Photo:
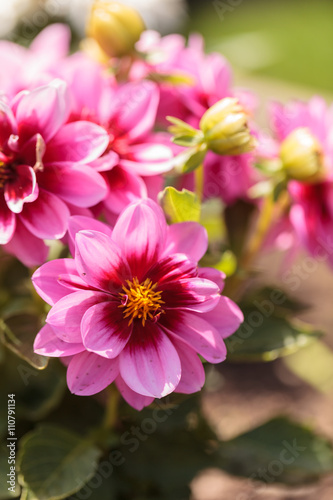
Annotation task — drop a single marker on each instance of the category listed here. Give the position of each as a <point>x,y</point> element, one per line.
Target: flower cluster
<point>87,137</point>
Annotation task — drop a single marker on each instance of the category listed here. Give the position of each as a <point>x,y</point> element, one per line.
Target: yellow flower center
<point>140,300</point>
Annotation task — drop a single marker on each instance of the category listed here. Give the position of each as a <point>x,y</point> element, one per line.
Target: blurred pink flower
<point>135,156</point>
<point>27,68</point>
<point>44,169</point>
<point>134,308</point>
<point>206,80</point>
<point>311,212</point>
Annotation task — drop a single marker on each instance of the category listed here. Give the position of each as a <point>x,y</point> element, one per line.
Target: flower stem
<point>111,412</point>
<point>199,181</point>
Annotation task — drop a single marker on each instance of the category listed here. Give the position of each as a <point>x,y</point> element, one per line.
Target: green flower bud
<point>225,128</point>
<point>115,27</point>
<point>301,155</point>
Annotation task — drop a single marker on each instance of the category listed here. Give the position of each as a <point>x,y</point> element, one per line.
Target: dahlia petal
<point>46,279</point>
<point>53,42</point>
<point>104,330</point>
<point>79,185</point>
<point>193,373</point>
<point>89,373</point>
<point>172,268</point>
<point>80,223</point>
<point>23,189</point>
<point>7,121</point>
<point>106,162</point>
<point>209,273</point>
<point>100,261</point>
<point>133,398</point>
<point>125,188</point>
<point>80,141</point>
<point>199,334</point>
<point>138,104</point>
<point>195,294</point>
<point>149,159</point>
<point>226,317</point>
<point>46,217</point>
<point>48,344</point>
<point>187,237</point>
<point>140,232</point>
<point>43,110</point>
<point>66,315</point>
<point>7,222</point>
<point>149,364</point>
<point>29,249</point>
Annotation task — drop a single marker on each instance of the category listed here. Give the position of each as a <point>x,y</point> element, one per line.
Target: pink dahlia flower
<point>27,68</point>
<point>207,79</point>
<point>311,212</point>
<point>44,169</point>
<point>136,155</point>
<point>133,307</point>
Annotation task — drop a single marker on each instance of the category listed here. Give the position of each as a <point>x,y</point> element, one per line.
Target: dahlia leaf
<point>55,463</point>
<point>278,451</point>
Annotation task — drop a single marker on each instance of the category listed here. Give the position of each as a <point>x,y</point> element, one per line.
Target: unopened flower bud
<point>301,155</point>
<point>226,129</point>
<point>115,27</point>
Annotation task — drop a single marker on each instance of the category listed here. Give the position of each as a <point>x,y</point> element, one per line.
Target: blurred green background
<point>286,40</point>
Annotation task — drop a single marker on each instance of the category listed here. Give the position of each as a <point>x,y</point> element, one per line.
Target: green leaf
<point>55,463</point>
<point>18,333</point>
<point>180,127</point>
<point>180,206</point>
<point>186,140</point>
<point>194,160</point>
<point>278,451</point>
<point>265,337</point>
<point>5,493</point>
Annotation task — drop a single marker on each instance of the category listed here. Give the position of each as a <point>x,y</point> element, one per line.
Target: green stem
<point>112,404</point>
<point>270,211</point>
<point>199,181</point>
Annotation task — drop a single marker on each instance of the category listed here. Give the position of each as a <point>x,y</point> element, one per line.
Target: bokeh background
<point>281,50</point>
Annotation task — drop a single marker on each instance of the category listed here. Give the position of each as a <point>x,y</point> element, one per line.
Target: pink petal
<point>23,189</point>
<point>52,42</point>
<point>193,373</point>
<point>172,269</point>
<point>125,188</point>
<point>149,159</point>
<point>46,279</point>
<point>209,273</point>
<point>29,249</point>
<point>100,261</point>
<point>199,334</point>
<point>48,344</point>
<point>66,315</point>
<point>79,223</point>
<point>106,162</point>
<point>150,364</point>
<point>104,330</point>
<point>7,222</point>
<point>137,105</point>
<point>187,237</point>
<point>47,217</point>
<point>226,317</point>
<point>89,373</point>
<point>194,294</point>
<point>80,141</point>
<point>132,398</point>
<point>7,121</point>
<point>140,232</point>
<point>43,111</point>
<point>79,185</point>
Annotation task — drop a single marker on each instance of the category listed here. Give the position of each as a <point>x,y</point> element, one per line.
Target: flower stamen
<point>140,300</point>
